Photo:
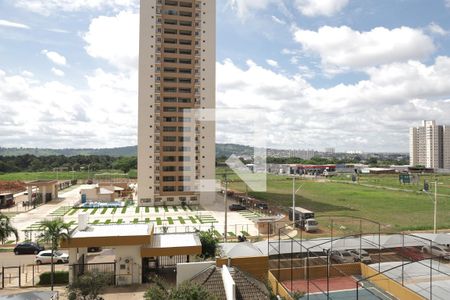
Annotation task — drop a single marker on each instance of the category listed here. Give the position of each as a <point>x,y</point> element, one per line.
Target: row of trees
<point>32,163</point>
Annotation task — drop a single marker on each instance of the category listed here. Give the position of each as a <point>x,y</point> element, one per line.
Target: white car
<point>45,257</point>
<point>361,255</point>
<point>342,256</point>
<point>437,250</point>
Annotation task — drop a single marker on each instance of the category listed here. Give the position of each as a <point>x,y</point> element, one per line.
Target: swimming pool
<point>103,204</point>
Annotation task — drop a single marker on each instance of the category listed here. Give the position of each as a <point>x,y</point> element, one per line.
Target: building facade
<point>176,130</point>
<point>429,145</point>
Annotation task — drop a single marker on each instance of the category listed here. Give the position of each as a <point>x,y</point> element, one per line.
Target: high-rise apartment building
<point>176,142</point>
<point>429,145</point>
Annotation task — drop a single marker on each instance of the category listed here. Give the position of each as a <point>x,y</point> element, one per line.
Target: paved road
<point>9,259</point>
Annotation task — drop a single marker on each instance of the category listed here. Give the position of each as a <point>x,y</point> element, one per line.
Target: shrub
<point>60,277</point>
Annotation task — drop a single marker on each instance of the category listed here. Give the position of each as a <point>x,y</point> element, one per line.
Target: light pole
<point>294,191</point>
<point>435,206</point>
<point>226,207</point>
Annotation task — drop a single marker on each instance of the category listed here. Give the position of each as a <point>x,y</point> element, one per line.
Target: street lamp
<point>435,206</point>
<point>225,200</point>
<point>294,191</point>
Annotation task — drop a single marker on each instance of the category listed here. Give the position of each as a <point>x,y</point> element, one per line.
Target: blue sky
<point>349,74</point>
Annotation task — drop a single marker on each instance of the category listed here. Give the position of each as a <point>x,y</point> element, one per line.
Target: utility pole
<point>435,207</point>
<point>226,207</point>
<point>293,201</point>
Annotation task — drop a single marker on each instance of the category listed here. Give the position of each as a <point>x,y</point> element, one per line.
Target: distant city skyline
<point>341,74</point>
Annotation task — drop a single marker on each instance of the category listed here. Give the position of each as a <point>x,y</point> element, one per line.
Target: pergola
<point>43,187</point>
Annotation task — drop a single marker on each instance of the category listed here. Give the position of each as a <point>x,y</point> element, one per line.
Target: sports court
<point>340,288</point>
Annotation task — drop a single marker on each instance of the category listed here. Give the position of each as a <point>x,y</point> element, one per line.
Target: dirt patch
<point>12,186</point>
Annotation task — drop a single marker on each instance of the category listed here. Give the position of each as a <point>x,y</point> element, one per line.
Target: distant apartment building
<point>176,147</point>
<point>303,154</point>
<point>429,145</point>
<point>330,150</point>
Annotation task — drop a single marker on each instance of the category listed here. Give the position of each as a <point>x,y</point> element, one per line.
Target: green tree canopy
<point>6,229</point>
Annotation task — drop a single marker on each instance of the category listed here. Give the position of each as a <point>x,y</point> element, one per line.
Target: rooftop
<point>113,231</point>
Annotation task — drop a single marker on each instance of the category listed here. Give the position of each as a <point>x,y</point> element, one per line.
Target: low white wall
<point>186,271</point>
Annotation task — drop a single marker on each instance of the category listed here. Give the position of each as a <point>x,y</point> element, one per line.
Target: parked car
<point>94,249</point>
<point>342,256</point>
<point>235,207</point>
<point>262,206</point>
<point>437,250</point>
<point>45,257</point>
<point>361,255</point>
<point>27,248</point>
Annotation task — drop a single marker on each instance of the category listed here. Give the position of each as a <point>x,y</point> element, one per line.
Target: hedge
<point>60,277</point>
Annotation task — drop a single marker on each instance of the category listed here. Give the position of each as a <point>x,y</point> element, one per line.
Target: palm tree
<point>6,229</point>
<point>53,232</point>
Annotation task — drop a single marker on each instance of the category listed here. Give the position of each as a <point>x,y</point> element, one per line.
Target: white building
<point>176,130</point>
<point>429,145</point>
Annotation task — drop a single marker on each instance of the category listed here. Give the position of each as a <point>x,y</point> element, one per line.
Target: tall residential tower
<point>429,145</point>
<point>176,142</point>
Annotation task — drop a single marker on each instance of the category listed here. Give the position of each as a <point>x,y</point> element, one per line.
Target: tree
<point>53,232</point>
<point>186,291</point>
<point>88,286</point>
<point>6,229</point>
<point>209,243</point>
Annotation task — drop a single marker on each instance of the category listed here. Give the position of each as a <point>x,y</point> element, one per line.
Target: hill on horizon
<point>221,150</point>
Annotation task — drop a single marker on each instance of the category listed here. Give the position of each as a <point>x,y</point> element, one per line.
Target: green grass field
<point>392,181</point>
<point>395,210</point>
<point>66,175</point>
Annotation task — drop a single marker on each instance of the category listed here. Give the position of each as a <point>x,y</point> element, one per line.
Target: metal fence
<point>104,268</point>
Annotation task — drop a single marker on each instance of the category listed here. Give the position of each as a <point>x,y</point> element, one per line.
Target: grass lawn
<point>156,209</point>
<point>395,210</point>
<point>175,208</point>
<point>147,209</point>
<point>158,221</point>
<point>29,176</point>
<point>124,210</point>
<point>120,221</point>
<point>184,207</point>
<point>94,211</point>
<point>96,222</point>
<point>392,181</point>
<point>85,209</point>
<point>107,222</point>
<point>104,211</point>
<point>193,220</point>
<point>170,220</point>
<point>137,209</point>
<point>166,209</point>
<point>135,221</point>
<point>231,234</point>
<point>73,211</point>
<point>147,220</point>
<point>114,210</point>
<point>182,221</point>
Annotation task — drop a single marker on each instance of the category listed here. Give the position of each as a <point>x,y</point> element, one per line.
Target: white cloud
<point>435,28</point>
<point>279,21</point>
<point>342,48</point>
<point>55,57</point>
<point>378,111</point>
<point>58,72</point>
<point>6,23</point>
<point>246,7</point>
<point>272,63</point>
<point>313,8</point>
<point>115,39</point>
<point>47,7</point>
<point>102,115</point>
<point>447,3</point>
